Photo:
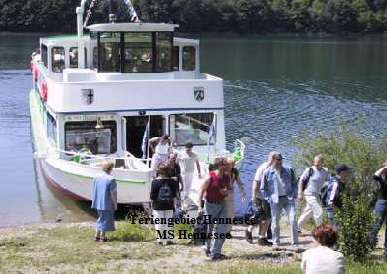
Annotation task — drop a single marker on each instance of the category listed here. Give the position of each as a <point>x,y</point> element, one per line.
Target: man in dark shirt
<point>174,169</point>
<point>164,192</point>
<point>335,189</point>
<point>380,206</point>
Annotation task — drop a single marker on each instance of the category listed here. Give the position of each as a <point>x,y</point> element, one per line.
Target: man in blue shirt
<point>279,188</point>
<point>104,201</point>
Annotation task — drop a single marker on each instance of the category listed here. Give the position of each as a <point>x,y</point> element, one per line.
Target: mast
<point>80,11</point>
<point>81,45</point>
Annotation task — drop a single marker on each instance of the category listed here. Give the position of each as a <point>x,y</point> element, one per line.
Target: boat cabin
<point>123,48</point>
<point>125,83</point>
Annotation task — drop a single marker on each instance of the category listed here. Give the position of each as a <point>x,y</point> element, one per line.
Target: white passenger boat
<point>102,96</point>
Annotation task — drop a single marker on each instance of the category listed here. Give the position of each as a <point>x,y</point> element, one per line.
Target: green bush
<point>132,232</point>
<point>355,220</point>
<point>364,155</point>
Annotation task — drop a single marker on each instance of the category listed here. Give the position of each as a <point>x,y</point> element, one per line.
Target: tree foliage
<point>208,15</point>
<point>364,155</point>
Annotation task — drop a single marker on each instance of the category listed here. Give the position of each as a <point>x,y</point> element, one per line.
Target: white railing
<point>128,161</point>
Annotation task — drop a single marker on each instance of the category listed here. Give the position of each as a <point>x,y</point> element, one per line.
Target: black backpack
<point>324,192</point>
<point>165,194</point>
<point>306,180</point>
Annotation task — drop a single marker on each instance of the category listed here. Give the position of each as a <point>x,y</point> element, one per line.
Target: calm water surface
<point>274,88</point>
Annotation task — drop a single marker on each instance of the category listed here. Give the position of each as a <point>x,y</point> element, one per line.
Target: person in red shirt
<point>215,188</point>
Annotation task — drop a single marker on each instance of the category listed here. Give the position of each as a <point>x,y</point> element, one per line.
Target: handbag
<point>255,210</point>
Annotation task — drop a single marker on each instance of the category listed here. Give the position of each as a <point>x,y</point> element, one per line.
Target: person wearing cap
<point>279,188</point>
<point>311,181</point>
<point>335,189</point>
<point>161,147</point>
<point>187,161</point>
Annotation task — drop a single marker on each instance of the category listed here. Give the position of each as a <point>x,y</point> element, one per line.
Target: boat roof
<point>52,40</point>
<point>185,40</point>
<point>62,38</point>
<point>134,27</point>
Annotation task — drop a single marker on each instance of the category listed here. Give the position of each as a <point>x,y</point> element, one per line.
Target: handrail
<point>92,157</point>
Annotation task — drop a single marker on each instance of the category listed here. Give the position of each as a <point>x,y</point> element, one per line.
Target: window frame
<point>154,69</point>
<point>172,129</point>
<point>111,124</point>
<point>184,61</point>
<point>51,132</point>
<point>63,60</point>
<point>44,55</point>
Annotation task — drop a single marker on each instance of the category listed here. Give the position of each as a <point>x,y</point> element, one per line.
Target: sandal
<point>97,239</point>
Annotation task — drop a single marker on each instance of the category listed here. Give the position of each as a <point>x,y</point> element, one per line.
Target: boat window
<point>192,127</point>
<point>95,57</point>
<point>58,59</point>
<point>188,58</point>
<point>84,135</point>
<point>175,58</point>
<point>110,51</point>
<point>44,55</point>
<point>85,57</point>
<point>51,127</point>
<point>73,57</point>
<point>138,52</point>
<point>164,51</point>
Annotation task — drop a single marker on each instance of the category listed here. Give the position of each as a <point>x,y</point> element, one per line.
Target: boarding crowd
<point>275,190</point>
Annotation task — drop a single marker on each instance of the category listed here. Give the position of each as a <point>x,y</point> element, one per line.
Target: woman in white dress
<point>161,147</point>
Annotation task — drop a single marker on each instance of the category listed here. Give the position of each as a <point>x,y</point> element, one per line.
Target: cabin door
<point>138,132</point>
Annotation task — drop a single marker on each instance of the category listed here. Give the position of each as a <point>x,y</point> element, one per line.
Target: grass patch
<point>64,249</point>
<point>58,247</point>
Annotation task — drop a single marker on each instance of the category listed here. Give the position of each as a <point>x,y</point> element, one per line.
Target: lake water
<point>274,88</point>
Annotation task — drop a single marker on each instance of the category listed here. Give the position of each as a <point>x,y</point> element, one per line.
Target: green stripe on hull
<point>36,118</point>
<point>118,180</point>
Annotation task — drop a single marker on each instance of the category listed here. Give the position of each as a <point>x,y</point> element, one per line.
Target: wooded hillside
<point>253,16</point>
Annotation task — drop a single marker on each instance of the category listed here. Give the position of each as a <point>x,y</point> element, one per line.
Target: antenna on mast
<point>112,11</point>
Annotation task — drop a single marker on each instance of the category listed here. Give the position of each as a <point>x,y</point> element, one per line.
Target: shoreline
<point>69,247</point>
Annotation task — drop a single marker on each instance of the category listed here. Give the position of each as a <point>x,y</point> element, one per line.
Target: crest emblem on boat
<point>199,93</point>
<point>88,96</point>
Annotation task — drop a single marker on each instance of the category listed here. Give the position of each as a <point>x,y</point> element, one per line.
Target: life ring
<point>44,92</point>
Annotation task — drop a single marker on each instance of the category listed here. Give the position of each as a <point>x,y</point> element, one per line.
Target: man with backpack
<point>279,188</point>
<point>164,192</point>
<point>332,197</point>
<point>311,181</point>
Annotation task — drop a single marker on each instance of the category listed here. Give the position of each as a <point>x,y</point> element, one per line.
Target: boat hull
<point>75,179</point>
<point>78,183</point>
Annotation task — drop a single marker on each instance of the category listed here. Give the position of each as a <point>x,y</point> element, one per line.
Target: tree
<point>363,155</point>
<point>300,15</point>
